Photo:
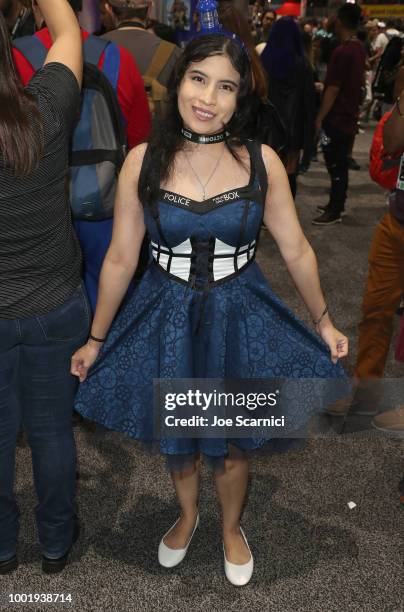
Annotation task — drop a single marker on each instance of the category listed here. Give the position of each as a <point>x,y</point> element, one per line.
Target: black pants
<point>336,150</point>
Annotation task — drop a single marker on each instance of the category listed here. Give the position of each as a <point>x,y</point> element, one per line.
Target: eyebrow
<point>195,71</point>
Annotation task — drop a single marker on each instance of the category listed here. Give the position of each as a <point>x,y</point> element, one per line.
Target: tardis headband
<point>210,23</point>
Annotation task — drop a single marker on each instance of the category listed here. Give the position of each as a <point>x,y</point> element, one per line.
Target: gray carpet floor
<point>312,553</point>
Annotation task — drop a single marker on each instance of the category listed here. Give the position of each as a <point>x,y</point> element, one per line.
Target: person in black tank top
<point>203,309</point>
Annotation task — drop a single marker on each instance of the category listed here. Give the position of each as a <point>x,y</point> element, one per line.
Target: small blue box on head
<point>210,23</point>
<point>208,17</point>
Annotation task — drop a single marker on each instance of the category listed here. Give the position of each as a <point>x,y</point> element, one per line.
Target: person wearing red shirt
<point>95,236</point>
<point>131,92</point>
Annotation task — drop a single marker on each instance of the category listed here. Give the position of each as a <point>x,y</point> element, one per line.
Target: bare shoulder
<point>134,160</point>
<point>136,155</point>
<point>272,162</point>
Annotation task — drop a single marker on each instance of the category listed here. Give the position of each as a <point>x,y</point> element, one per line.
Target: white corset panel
<point>179,266</point>
<point>177,260</point>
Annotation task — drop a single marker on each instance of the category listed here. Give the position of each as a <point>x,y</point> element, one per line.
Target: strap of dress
<point>153,205</point>
<point>258,166</point>
<point>146,158</point>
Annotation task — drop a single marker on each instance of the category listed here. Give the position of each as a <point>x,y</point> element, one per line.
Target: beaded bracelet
<point>316,322</point>
<point>91,337</point>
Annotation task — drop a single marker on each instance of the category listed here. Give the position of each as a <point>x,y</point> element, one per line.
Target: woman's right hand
<point>83,359</point>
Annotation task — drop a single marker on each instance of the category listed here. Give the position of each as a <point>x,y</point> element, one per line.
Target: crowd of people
<point>115,282</point>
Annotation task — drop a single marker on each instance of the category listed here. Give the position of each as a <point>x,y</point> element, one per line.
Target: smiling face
<point>207,95</point>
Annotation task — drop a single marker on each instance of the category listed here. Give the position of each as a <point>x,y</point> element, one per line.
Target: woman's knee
<point>236,459</point>
<point>188,470</point>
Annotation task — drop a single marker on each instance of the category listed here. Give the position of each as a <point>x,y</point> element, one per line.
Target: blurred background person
<point>310,48</point>
<point>339,112</point>
<point>291,90</point>
<point>153,56</point>
<point>267,21</point>
<point>256,11</point>
<point>388,70</point>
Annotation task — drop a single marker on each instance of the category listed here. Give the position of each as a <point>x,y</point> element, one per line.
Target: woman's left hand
<point>335,340</point>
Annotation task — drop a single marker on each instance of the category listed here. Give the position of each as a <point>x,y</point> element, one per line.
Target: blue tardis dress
<point>203,309</point>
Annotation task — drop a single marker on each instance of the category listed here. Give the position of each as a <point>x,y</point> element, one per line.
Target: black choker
<point>204,138</point>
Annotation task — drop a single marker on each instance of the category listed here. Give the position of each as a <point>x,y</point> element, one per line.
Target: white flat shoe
<point>239,575</point>
<point>170,557</point>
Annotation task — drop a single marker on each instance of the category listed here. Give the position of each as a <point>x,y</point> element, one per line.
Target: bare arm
<point>376,56</point>
<point>281,219</point>
<point>65,31</point>
<point>120,261</point>
<point>393,130</point>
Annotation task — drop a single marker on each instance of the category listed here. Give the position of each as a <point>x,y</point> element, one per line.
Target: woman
<point>43,310</point>
<point>203,308</point>
<point>291,91</point>
<point>389,77</point>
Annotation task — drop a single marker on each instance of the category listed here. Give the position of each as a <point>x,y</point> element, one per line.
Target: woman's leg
<point>231,486</point>
<point>186,484</point>
<point>47,392</point>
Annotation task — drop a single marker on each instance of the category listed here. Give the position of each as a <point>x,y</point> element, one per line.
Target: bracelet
<point>397,105</point>
<point>91,337</point>
<point>316,322</point>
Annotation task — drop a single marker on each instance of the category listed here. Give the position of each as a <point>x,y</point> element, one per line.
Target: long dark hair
<point>166,139</point>
<point>21,141</point>
<point>284,46</point>
<point>233,20</point>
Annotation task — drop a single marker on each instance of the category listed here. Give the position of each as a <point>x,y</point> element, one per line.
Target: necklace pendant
<point>204,196</point>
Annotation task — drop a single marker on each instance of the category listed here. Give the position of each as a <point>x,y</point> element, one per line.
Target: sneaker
<point>391,422</point>
<point>353,164</point>
<point>327,218</point>
<point>322,209</point>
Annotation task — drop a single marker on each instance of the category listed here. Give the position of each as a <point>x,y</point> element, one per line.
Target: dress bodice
<point>224,217</point>
<point>210,240</point>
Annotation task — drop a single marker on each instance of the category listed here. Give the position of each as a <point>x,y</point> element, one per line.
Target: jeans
<point>37,391</point>
<point>336,153</point>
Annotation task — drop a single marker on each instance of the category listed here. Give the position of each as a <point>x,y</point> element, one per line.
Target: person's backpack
<point>383,167</point>
<point>156,92</point>
<point>98,146</point>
